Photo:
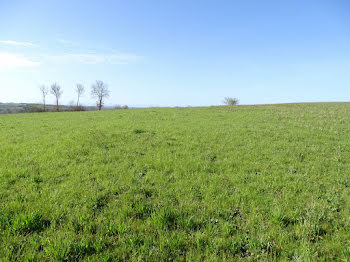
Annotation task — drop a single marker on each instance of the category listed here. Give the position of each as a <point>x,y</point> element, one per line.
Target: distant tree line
<point>99,91</point>
<point>12,108</point>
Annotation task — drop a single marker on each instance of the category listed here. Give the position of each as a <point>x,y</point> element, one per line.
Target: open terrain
<point>267,182</point>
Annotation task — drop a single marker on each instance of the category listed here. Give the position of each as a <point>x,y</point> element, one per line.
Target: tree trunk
<point>100,105</point>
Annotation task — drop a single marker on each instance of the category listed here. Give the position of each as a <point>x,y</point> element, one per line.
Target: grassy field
<point>265,182</point>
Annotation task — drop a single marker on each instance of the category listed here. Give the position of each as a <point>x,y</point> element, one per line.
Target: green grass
<point>220,183</point>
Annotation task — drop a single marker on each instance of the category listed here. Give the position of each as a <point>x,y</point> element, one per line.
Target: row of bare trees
<point>99,91</point>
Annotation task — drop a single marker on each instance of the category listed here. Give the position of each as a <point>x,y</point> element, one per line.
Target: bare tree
<point>100,91</point>
<point>57,92</point>
<point>230,101</point>
<point>44,91</point>
<point>80,89</point>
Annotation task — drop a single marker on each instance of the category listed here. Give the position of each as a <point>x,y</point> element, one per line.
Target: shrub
<point>32,108</point>
<point>118,107</point>
<point>80,108</point>
<point>230,101</point>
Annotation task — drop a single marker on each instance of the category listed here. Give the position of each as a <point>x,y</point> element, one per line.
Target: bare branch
<point>230,101</point>
<point>44,91</point>
<point>57,92</point>
<point>80,89</point>
<point>100,91</point>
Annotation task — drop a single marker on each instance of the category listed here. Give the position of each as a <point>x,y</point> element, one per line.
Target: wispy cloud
<point>85,58</point>
<point>17,43</point>
<point>67,42</point>
<point>14,61</point>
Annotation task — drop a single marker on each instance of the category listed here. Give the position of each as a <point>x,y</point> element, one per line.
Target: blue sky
<point>177,53</point>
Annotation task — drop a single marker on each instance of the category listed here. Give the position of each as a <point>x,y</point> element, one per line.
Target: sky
<point>177,52</point>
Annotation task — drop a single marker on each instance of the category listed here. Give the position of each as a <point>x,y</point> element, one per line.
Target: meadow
<point>268,182</point>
